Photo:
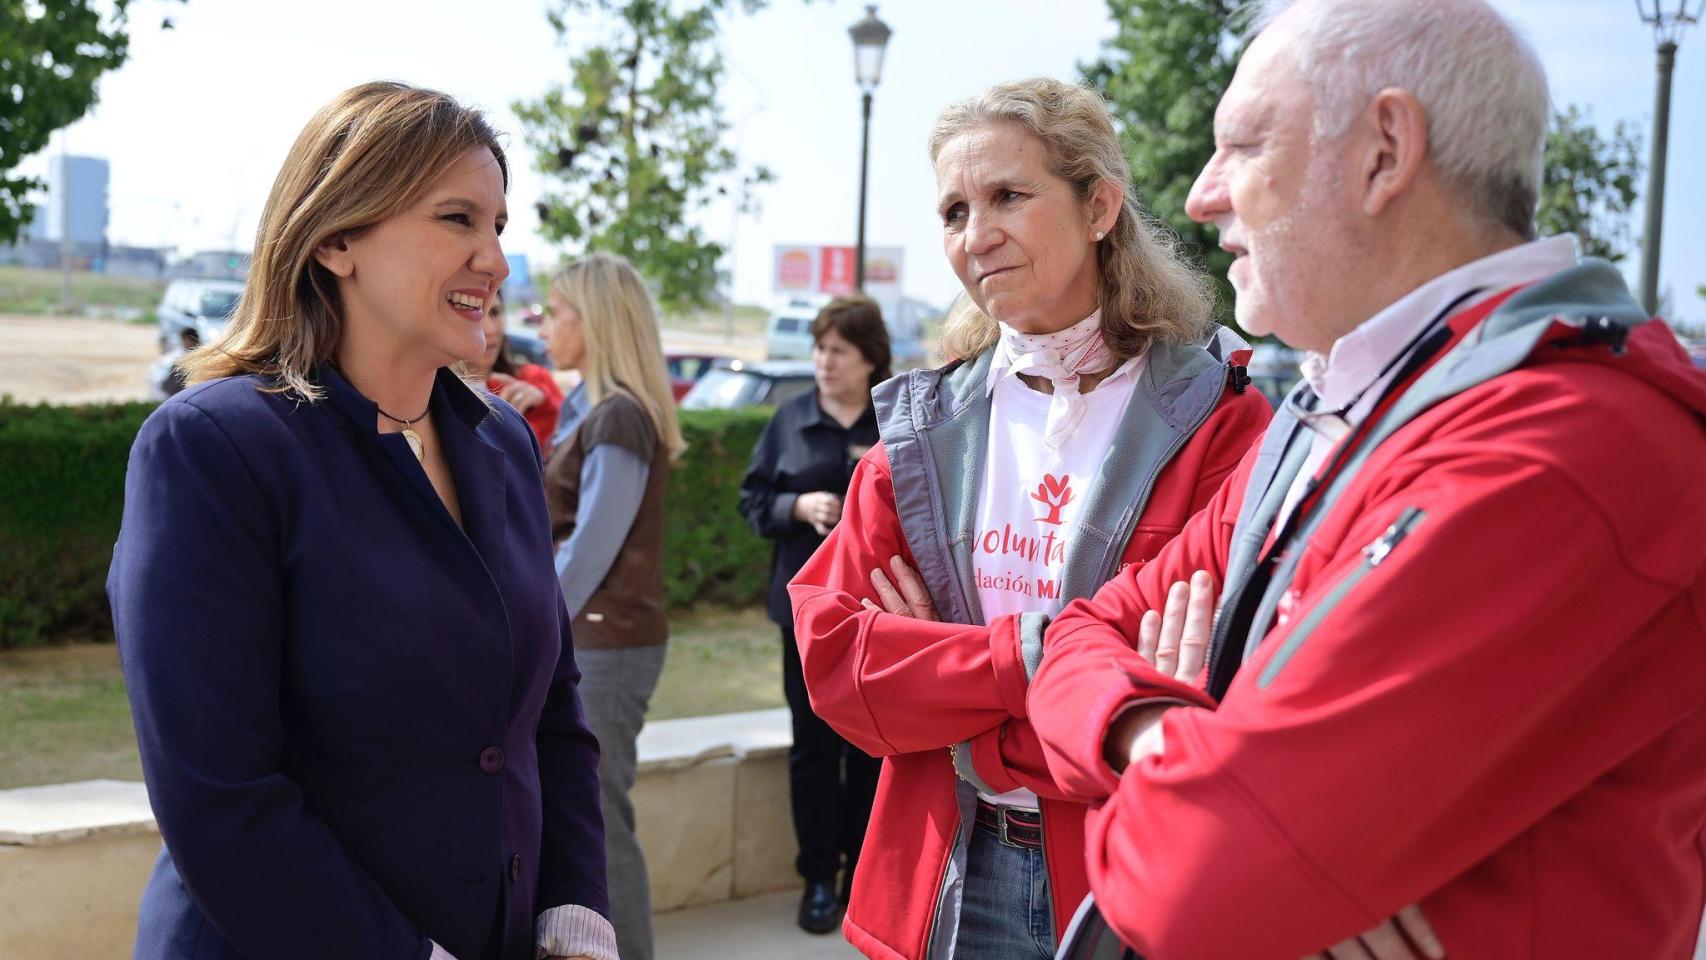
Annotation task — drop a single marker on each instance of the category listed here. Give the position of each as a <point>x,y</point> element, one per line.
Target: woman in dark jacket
<point>341,630</point>
<point>792,494</point>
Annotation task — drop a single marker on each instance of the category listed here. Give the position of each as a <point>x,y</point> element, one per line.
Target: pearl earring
<point>1098,234</point>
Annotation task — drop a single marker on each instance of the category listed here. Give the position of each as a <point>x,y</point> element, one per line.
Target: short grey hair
<point>1480,82</point>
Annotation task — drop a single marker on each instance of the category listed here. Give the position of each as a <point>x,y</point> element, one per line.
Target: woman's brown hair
<point>366,156</point>
<point>859,321</point>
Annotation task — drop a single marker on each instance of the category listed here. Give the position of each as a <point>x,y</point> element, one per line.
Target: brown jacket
<point>627,608</point>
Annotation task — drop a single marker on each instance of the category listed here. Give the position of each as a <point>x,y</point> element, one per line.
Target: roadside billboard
<point>803,269</point>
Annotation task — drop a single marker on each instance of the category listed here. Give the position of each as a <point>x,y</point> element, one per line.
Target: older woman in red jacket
<point>1084,422</point>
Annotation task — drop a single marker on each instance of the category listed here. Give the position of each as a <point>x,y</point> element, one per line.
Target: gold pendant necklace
<point>415,445</point>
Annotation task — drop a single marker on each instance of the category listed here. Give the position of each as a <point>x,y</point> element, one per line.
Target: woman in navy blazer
<point>334,591</point>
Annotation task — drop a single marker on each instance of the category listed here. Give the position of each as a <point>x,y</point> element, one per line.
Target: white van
<point>788,332</point>
<point>193,312</point>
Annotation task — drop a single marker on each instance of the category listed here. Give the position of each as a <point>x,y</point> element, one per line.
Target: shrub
<point>62,493</point>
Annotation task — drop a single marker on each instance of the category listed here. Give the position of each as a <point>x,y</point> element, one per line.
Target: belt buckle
<point>1001,825</point>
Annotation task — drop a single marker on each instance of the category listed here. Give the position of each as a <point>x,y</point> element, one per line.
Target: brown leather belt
<point>1015,827</point>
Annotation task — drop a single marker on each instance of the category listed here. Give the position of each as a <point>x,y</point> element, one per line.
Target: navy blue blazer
<point>358,722</point>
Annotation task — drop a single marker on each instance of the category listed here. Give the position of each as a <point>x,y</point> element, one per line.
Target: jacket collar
<point>459,398</point>
<point>476,463</point>
<point>934,426</point>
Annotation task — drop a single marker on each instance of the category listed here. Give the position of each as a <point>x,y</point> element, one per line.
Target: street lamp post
<point>870,37</point>
<point>1667,18</point>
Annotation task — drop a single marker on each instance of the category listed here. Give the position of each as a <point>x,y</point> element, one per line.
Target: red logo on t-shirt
<point>1054,492</point>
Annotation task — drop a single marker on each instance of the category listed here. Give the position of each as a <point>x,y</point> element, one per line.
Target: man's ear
<point>334,254</point>
<point>1395,147</point>
<point>1106,201</point>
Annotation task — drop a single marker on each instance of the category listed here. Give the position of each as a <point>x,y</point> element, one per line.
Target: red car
<point>685,369</point>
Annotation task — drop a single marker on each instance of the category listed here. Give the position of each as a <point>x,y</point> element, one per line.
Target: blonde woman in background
<point>605,484</point>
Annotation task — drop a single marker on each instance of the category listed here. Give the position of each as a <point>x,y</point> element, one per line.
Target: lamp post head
<point>1668,18</point>
<point>870,36</point>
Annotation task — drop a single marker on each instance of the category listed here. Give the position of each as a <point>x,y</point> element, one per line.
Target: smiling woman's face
<point>420,280</point>
<point>1016,236</point>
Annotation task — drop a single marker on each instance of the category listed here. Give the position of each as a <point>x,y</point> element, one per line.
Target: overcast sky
<point>196,124</point>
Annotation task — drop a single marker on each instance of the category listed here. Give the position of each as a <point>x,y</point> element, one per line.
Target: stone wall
<point>711,799</point>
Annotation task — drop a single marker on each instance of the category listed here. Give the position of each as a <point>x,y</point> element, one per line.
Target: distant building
<point>142,262</point>
<point>213,265</point>
<point>76,203</point>
<point>46,254</point>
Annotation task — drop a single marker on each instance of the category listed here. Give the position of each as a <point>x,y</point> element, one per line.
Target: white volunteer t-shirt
<point>1033,497</point>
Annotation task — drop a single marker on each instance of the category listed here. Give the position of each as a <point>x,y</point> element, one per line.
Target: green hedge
<point>710,555</point>
<point>62,492</point>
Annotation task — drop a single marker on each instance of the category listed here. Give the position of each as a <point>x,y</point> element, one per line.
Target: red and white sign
<point>833,270</point>
<point>837,270</point>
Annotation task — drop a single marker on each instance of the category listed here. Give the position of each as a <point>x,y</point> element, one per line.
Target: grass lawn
<point>64,715</point>
<point>26,290</point>
<point>746,321</point>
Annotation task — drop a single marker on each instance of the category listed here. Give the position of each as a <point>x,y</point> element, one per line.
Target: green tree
<point>1163,73</point>
<point>52,52</point>
<point>632,144</point>
<point>1589,183</point>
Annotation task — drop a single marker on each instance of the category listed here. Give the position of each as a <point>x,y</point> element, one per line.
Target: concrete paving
<point>757,928</point>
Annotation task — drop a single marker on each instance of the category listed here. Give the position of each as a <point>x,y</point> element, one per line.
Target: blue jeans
<point>1006,913</point>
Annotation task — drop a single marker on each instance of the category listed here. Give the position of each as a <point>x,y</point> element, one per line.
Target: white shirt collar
<point>1356,359</point>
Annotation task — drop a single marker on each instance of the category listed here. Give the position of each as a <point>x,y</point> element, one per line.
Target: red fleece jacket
<point>1504,720</point>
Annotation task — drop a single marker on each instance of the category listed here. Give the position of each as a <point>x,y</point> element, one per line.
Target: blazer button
<point>491,759</point>
<point>515,869</point>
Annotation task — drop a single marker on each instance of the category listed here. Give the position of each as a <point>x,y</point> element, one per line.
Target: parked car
<point>905,354</point>
<point>788,335</point>
<point>193,312</point>
<point>527,345</point>
<point>731,384</point>
<point>1275,369</point>
<point>788,332</point>
<point>685,369</point>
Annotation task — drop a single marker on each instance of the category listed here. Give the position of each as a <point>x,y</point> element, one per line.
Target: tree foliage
<point>633,146</point>
<point>1163,73</point>
<point>52,52</point>
<point>1590,183</point>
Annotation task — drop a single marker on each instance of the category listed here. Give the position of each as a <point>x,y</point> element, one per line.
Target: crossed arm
<point>1175,640</point>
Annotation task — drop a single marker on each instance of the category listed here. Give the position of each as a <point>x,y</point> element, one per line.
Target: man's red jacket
<point>1486,691</point>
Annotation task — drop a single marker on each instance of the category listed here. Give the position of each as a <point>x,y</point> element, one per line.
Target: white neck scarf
<point>1060,357</point>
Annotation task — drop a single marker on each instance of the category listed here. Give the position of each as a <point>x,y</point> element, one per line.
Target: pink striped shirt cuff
<point>567,931</point>
<point>572,930</point>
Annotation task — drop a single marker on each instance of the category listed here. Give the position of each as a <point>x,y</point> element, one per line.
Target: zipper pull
<point>1375,552</point>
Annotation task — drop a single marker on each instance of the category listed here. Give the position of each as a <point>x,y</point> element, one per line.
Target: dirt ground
<point>72,360</point>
